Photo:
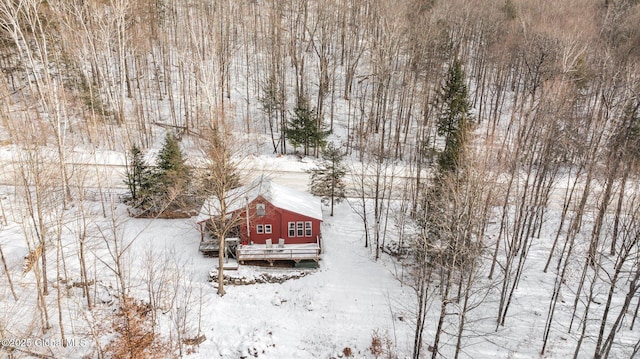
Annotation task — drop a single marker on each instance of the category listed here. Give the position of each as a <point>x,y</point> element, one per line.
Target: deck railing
<point>251,253</point>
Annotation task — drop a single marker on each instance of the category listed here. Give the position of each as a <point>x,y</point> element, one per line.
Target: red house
<point>265,213</point>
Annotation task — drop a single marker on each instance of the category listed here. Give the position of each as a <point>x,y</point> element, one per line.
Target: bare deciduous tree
<point>221,175</point>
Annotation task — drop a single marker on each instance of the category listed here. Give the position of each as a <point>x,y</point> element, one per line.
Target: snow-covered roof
<point>280,196</point>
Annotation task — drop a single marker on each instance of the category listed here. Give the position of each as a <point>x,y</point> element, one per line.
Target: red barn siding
<point>295,217</point>
<point>279,220</point>
<point>271,217</point>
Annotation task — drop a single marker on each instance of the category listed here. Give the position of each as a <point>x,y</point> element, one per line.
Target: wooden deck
<point>287,252</point>
<point>211,247</point>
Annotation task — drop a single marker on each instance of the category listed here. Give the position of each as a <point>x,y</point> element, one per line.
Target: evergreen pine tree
<point>172,176</point>
<point>304,129</point>
<point>327,180</point>
<point>454,119</point>
<point>138,179</point>
<point>442,198</point>
<point>448,242</point>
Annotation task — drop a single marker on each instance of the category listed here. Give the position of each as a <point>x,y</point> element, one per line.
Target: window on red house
<point>292,229</point>
<point>259,229</point>
<point>300,232</point>
<point>261,210</point>
<point>307,229</point>
<point>267,228</point>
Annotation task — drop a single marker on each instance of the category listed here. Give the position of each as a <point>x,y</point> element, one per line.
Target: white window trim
<point>308,229</point>
<point>300,229</point>
<point>260,229</point>
<point>292,229</point>
<point>268,229</point>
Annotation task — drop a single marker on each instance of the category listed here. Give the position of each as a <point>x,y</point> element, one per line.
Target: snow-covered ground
<point>342,304</point>
<point>338,306</point>
<point>331,310</point>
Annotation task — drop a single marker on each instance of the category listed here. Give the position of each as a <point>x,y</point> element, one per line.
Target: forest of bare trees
<point>552,153</point>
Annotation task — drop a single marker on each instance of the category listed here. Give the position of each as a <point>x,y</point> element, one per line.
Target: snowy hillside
<point>489,152</point>
<point>338,307</point>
